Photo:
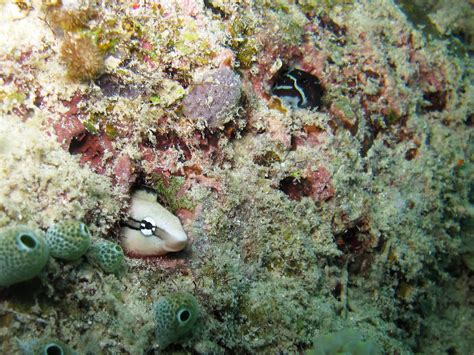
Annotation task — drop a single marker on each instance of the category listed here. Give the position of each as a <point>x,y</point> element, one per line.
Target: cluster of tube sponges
<point>175,317</point>
<point>24,251</point>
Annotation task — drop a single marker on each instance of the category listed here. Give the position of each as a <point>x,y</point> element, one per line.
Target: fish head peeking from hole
<point>150,229</point>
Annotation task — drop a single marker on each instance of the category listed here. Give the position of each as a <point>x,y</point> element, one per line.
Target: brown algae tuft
<point>82,57</point>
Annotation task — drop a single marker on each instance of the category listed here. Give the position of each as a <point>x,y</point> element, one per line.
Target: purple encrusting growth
<point>215,98</point>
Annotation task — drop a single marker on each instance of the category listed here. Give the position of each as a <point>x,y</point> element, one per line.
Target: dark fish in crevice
<point>298,89</point>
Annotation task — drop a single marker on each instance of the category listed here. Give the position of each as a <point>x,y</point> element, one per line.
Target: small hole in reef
<point>53,349</point>
<point>295,189</point>
<point>337,290</point>
<point>411,154</point>
<point>350,240</point>
<point>78,142</point>
<point>28,241</point>
<point>436,101</point>
<point>109,84</point>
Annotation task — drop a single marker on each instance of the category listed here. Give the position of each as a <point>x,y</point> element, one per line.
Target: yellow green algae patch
<point>41,183</point>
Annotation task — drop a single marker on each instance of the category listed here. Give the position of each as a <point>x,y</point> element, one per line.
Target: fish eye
<point>147,226</point>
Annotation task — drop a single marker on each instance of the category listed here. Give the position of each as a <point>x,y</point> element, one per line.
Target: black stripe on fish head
<point>297,88</point>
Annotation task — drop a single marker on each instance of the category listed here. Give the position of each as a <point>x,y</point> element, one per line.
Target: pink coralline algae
<point>92,149</point>
<point>321,185</point>
<point>70,125</point>
<point>214,99</point>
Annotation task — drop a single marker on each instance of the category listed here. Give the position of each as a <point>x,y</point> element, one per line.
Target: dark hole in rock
<point>24,292</point>
<point>267,158</point>
<point>180,76</point>
<point>38,101</point>
<point>437,101</point>
<point>404,325</point>
<point>295,189</point>
<point>336,291</point>
<point>462,36</point>
<point>215,9</point>
<point>111,85</point>
<point>209,141</point>
<point>77,142</point>
<point>232,130</point>
<point>411,154</point>
<point>328,24</point>
<point>354,239</point>
<point>171,140</point>
<point>470,120</point>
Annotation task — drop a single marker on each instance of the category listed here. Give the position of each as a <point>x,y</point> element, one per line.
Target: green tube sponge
<point>23,254</point>
<point>68,240</point>
<point>46,346</point>
<point>175,317</point>
<point>108,255</point>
